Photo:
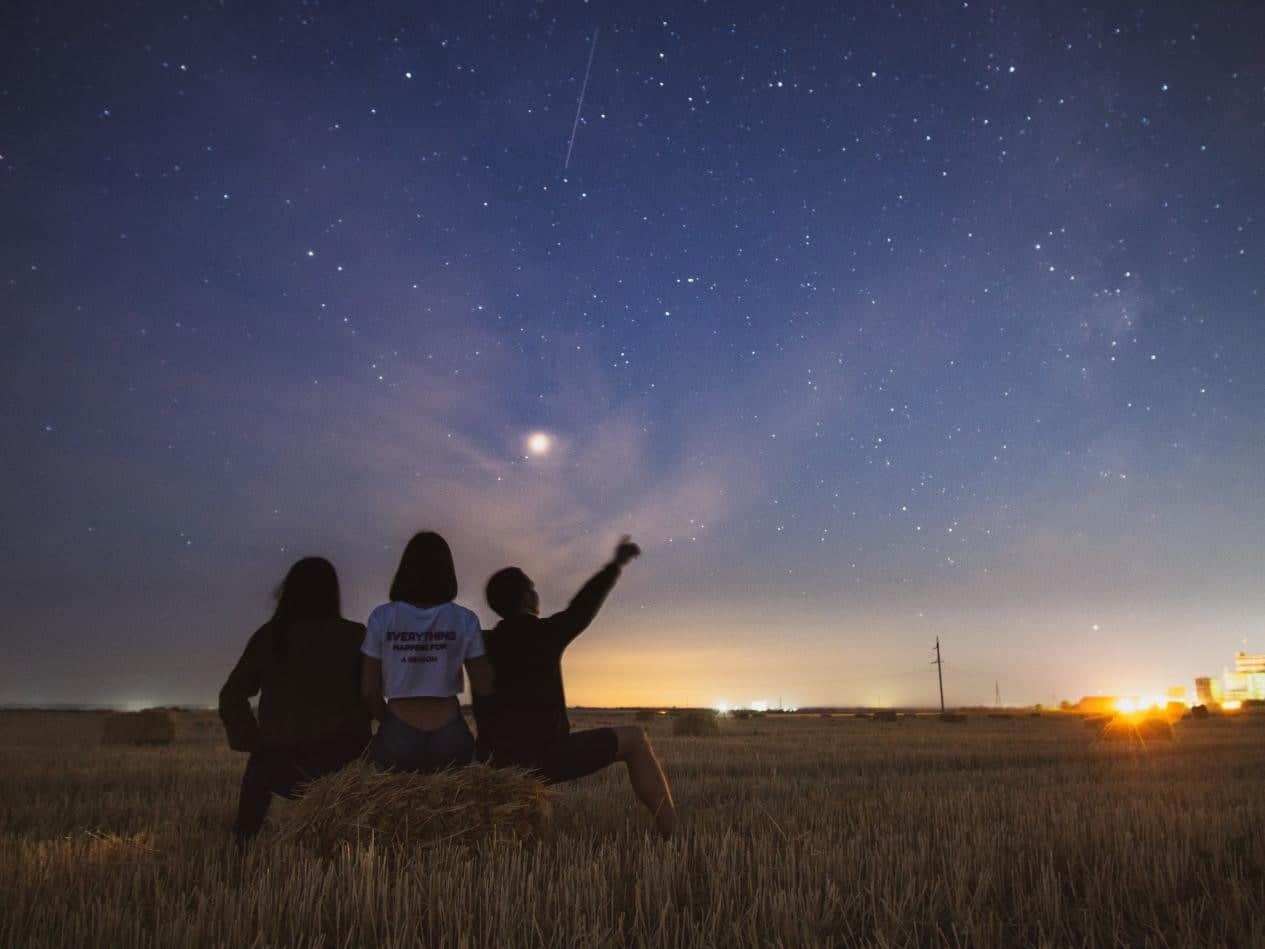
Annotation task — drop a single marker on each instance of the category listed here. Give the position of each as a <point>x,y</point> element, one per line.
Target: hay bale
<point>462,805</point>
<point>150,726</point>
<point>696,724</point>
<point>884,715</point>
<point>1199,711</point>
<point>1123,728</point>
<point>647,715</point>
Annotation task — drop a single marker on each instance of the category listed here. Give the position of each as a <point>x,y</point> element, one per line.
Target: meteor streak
<point>580,105</point>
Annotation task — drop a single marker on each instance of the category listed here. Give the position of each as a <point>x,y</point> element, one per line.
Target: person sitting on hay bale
<point>524,723</point>
<point>303,665</point>
<point>411,670</point>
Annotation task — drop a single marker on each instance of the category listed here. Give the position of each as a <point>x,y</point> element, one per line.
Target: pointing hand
<point>626,550</point>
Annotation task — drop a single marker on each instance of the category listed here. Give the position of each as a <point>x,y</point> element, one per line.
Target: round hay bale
<point>696,725</point>
<point>1123,728</point>
<point>149,726</point>
<point>1199,711</point>
<point>461,805</point>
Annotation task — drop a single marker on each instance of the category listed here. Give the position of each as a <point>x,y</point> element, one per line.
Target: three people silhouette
<point>322,678</point>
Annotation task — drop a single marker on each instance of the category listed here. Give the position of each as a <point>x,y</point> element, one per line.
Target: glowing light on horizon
<point>1231,705</point>
<point>1138,704</point>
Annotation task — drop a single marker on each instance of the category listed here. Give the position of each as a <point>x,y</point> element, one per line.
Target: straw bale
<point>151,726</point>
<point>696,724</point>
<point>462,805</point>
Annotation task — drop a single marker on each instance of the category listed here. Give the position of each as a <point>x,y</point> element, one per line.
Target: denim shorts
<point>401,747</point>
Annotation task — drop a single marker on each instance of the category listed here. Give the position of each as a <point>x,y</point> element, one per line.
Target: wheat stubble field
<point>796,831</point>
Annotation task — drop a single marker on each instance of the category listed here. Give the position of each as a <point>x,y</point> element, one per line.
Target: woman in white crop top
<point>414,652</point>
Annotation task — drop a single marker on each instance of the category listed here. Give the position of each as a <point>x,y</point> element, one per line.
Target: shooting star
<point>580,105</point>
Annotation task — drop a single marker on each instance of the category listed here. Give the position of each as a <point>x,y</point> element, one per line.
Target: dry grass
<point>363,805</point>
<point>813,831</point>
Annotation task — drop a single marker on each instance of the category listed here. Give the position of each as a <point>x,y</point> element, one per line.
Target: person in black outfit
<point>524,724</point>
<point>305,665</point>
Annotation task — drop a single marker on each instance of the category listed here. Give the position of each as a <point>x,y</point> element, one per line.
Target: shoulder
<point>381,614</point>
<point>464,615</point>
<point>351,627</point>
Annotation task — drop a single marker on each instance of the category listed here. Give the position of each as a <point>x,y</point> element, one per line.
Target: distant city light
<point>1231,705</point>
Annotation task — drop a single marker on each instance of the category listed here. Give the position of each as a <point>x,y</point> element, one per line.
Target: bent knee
<point>632,739</point>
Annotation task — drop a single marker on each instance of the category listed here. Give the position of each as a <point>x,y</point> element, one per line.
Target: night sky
<point>871,323</point>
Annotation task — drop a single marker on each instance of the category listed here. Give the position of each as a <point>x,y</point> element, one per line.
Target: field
<point>796,831</point>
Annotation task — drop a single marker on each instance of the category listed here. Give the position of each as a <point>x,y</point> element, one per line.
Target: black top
<point>308,675</point>
<point>526,718</point>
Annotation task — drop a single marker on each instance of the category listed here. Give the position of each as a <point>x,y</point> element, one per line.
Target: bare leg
<point>646,775</point>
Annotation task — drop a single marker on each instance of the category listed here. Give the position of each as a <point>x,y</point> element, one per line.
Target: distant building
<point>1247,663</point>
<point>1247,681</point>
<point>1207,691</point>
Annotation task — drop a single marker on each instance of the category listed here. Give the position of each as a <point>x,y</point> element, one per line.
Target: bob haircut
<point>426,575</point>
<point>308,592</point>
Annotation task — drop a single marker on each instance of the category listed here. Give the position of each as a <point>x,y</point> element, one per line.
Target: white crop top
<point>422,650</point>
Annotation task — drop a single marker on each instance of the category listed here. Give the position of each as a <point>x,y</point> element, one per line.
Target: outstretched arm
<point>243,683</point>
<point>582,609</point>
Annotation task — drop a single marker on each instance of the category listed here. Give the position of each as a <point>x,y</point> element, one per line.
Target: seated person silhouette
<point>525,724</point>
<point>304,664</point>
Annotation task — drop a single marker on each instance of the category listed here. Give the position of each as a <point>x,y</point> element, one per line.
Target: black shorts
<point>580,754</point>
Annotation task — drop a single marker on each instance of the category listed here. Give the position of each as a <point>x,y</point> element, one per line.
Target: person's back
<point>312,690</point>
<point>422,648</point>
<point>528,712</point>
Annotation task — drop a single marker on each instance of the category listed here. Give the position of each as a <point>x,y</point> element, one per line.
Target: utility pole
<point>940,673</point>
<point>996,693</point>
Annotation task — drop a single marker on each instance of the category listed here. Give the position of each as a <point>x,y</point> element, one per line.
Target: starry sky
<point>872,322</point>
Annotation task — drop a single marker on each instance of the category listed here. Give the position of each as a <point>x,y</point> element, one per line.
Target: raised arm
<point>244,683</point>
<point>575,619</point>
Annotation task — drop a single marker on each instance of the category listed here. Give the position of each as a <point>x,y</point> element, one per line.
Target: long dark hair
<point>309,591</point>
<point>426,575</point>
